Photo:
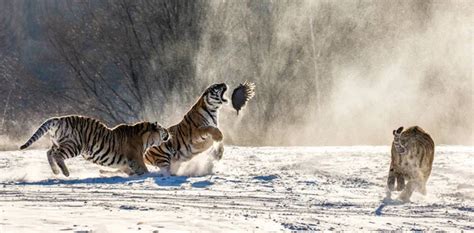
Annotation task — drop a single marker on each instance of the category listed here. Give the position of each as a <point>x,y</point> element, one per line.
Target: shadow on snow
<point>174,181</point>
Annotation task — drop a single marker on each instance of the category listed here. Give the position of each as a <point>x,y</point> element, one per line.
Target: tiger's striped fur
<point>121,147</point>
<point>195,134</point>
<point>412,160</point>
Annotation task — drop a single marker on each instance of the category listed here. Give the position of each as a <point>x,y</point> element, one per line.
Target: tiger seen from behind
<point>412,161</point>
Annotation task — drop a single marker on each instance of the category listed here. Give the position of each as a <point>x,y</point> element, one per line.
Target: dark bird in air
<point>242,94</point>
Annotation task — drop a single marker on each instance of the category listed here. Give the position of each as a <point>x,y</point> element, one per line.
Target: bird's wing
<point>249,90</point>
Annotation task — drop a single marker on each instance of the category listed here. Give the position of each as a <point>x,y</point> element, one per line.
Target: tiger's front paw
<point>217,135</point>
<point>218,151</point>
<point>404,197</point>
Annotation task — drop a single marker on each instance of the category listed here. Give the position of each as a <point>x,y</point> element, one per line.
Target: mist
<point>360,69</point>
<point>326,73</point>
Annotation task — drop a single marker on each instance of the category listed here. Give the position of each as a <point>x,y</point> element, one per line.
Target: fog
<point>365,69</point>
<point>326,72</point>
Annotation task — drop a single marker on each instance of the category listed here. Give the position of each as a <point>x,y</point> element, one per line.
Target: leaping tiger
<point>195,134</point>
<point>121,147</point>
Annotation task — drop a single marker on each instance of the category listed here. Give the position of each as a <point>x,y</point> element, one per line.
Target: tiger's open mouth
<point>224,89</point>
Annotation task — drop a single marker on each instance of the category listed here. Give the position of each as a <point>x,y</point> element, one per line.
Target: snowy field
<point>250,189</point>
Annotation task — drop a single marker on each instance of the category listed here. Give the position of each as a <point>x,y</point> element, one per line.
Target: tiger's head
<point>214,97</point>
<point>155,135</point>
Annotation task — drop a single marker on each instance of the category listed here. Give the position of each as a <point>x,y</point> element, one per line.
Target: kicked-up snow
<point>251,189</point>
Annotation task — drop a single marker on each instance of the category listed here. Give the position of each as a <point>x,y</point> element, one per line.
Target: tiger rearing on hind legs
<point>196,133</point>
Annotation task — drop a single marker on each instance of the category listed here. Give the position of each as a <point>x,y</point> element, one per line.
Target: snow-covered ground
<point>250,189</point>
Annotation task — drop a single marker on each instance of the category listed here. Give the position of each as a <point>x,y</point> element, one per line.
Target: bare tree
<point>126,56</point>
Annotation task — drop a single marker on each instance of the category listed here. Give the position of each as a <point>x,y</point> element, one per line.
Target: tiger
<point>197,132</point>
<point>412,159</point>
<point>121,147</point>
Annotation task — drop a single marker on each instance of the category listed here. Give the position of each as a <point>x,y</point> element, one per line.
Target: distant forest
<point>326,72</point>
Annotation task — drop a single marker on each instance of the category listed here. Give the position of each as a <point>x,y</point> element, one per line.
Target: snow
<point>250,189</point>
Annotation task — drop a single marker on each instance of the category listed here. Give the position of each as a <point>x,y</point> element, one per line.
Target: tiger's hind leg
<point>422,188</point>
<point>64,151</point>
<point>165,167</point>
<point>58,157</point>
<point>166,171</point>
<point>423,178</point>
<point>52,161</point>
<point>157,157</point>
<point>136,168</point>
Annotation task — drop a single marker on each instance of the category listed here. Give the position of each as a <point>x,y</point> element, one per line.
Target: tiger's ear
<point>398,131</point>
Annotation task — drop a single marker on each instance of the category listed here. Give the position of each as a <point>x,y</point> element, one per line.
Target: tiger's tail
<point>39,132</point>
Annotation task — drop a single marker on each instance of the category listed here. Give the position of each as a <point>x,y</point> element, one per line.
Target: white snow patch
<point>250,189</point>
